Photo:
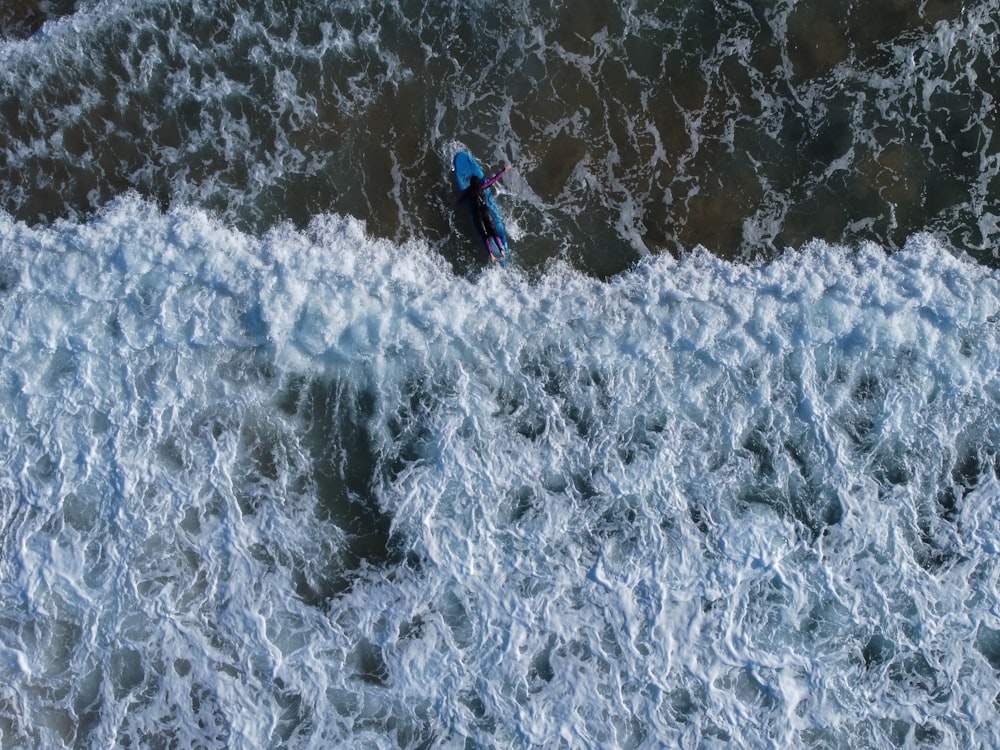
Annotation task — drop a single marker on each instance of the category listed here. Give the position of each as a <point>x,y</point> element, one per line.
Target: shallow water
<point>635,129</point>
<point>284,464</point>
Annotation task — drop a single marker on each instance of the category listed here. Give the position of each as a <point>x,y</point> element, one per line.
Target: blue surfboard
<point>466,167</point>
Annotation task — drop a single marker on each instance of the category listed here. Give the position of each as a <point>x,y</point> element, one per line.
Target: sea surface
<point>286,463</point>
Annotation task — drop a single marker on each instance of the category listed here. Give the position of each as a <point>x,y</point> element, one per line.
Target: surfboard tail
<point>495,247</point>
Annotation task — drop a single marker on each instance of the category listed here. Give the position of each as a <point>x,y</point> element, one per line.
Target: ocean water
<point>713,463</point>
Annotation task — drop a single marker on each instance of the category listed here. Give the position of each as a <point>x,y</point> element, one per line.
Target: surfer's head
<point>476,184</point>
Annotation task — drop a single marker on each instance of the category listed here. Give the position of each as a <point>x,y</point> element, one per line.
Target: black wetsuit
<point>485,225</point>
<point>484,217</point>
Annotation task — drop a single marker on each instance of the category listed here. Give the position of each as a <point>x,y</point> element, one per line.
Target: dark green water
<point>634,128</point>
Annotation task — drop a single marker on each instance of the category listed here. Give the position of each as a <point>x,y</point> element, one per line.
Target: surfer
<point>476,194</point>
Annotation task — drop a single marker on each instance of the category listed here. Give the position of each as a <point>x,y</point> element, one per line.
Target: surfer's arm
<point>496,177</point>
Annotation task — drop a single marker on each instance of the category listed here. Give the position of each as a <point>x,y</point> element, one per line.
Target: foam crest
<point>311,487</point>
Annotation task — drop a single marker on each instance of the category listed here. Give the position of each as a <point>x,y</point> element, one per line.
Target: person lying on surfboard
<point>476,193</point>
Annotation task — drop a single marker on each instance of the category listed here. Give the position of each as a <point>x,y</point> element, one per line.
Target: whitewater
<point>712,464</point>
<point>312,489</point>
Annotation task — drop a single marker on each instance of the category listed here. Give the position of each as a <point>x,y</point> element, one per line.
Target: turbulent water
<point>712,463</point>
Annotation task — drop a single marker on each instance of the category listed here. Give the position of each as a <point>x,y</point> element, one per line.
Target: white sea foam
<point>312,489</point>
